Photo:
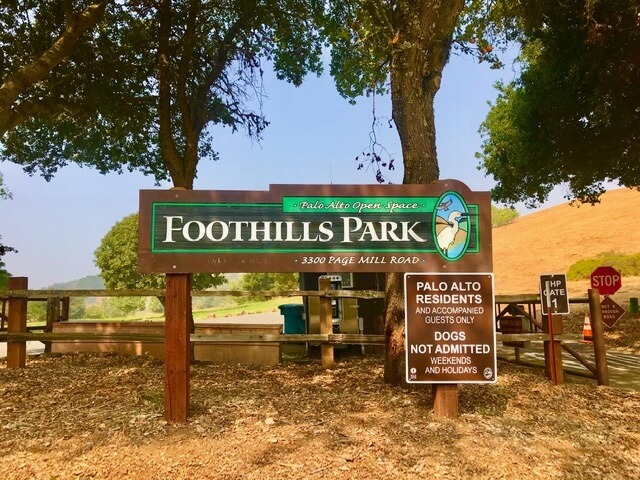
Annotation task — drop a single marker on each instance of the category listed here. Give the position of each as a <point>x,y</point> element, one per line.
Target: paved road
<point>624,368</point>
<point>267,318</point>
<point>33,348</point>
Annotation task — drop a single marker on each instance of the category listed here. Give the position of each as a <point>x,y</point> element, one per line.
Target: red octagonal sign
<point>607,280</point>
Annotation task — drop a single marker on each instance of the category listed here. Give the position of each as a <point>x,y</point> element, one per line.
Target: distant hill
<point>551,240</point>
<point>91,282</point>
<point>95,282</point>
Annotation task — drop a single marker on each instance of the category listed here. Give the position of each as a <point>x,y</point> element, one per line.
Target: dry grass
<point>551,240</point>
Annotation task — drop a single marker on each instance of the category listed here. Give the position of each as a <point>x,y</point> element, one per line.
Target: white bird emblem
<point>447,235</point>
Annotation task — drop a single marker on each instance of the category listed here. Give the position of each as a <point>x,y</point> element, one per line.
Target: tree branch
<point>38,70</point>
<point>219,63</point>
<point>184,69</point>
<point>30,108</point>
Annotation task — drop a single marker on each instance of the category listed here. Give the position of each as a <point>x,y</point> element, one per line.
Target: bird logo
<point>445,205</point>
<point>451,226</point>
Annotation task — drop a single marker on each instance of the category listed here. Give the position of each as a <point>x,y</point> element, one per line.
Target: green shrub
<point>627,264</point>
<point>277,282</point>
<point>125,306</point>
<point>36,311</point>
<point>502,216</point>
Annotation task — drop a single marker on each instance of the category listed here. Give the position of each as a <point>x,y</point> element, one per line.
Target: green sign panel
<point>315,228</point>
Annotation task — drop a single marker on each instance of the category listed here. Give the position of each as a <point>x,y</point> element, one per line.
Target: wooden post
<point>326,323</point>
<point>64,309</point>
<point>553,354</point>
<point>53,315</point>
<point>177,347</point>
<point>597,329</point>
<point>3,314</point>
<point>553,362</point>
<point>445,400</point>
<point>17,351</point>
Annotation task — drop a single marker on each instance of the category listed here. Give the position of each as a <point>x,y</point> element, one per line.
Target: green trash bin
<point>293,319</point>
<point>633,305</point>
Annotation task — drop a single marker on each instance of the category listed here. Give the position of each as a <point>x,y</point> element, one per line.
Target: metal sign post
<point>554,299</point>
<point>554,373</point>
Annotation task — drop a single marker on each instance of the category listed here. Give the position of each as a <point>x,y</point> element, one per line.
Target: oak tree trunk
<point>425,30</point>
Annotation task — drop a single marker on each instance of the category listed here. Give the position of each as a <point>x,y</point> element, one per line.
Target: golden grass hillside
<point>551,240</point>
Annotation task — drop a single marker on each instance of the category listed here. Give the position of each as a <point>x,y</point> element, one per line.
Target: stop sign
<point>607,280</point>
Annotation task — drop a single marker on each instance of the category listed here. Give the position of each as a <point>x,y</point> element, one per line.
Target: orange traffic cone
<point>587,334</point>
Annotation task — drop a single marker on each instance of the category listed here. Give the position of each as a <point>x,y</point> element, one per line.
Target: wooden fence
<point>16,333</point>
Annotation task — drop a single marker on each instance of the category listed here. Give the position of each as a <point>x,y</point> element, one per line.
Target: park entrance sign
<point>316,228</point>
<point>441,227</point>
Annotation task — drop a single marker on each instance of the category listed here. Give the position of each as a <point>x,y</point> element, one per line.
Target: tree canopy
<point>117,259</point>
<point>4,277</point>
<point>573,115</point>
<point>140,89</point>
<point>277,282</point>
<point>36,38</point>
<point>75,86</point>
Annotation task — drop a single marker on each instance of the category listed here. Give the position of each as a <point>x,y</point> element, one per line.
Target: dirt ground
<point>88,416</point>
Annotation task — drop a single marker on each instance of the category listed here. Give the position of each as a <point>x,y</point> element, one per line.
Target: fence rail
<point>55,298</point>
<point>44,294</point>
<point>335,338</point>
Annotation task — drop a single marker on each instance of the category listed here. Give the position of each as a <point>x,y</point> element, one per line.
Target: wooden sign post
<point>326,322</point>
<point>599,349</point>
<point>177,347</point>
<point>445,400</point>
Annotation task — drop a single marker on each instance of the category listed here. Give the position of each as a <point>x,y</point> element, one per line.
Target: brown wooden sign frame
<point>316,228</point>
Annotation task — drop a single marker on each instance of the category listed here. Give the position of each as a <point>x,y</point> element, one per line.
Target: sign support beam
<point>177,347</point>
<point>445,400</point>
<point>326,323</point>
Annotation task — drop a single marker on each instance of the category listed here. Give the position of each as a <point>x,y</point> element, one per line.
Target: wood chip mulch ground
<point>87,416</point>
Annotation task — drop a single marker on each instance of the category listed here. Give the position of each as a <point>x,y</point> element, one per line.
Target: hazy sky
<point>313,138</point>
